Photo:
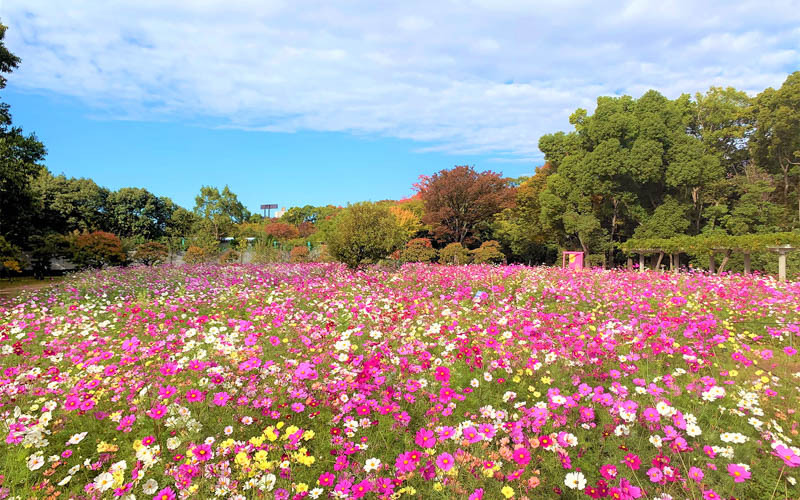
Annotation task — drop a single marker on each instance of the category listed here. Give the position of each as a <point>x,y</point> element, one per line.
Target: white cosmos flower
<point>104,481</point>
<point>372,464</point>
<point>35,462</point>
<point>150,487</point>
<point>575,480</point>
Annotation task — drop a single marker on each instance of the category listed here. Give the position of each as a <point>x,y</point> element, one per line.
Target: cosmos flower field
<point>429,382</point>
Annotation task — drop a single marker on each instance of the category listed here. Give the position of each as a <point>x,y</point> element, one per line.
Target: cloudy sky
<point>334,93</point>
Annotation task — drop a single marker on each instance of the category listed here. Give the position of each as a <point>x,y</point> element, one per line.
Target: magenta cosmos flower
<point>445,461</point>
<point>157,412</point>
<point>738,473</point>
<point>193,396</point>
<point>425,438</point>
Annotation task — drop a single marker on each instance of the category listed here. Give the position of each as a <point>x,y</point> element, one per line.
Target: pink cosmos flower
<point>326,479</point>
<point>633,461</point>
<point>193,396</point>
<point>789,350</point>
<point>522,456</point>
<point>445,461</point>
<point>361,489</point>
<point>405,463</point>
<point>471,435</point>
<point>425,439</point>
<point>696,473</point>
<point>477,494</point>
<point>655,474</point>
<point>165,494</point>
<point>157,412</point>
<point>609,471</point>
<point>221,398</point>
<point>738,473</point>
<point>710,495</point>
<point>202,453</point>
<point>787,455</point>
<point>442,374</point>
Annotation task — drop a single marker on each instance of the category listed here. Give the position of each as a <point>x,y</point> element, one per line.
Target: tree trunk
<point>698,212</point>
<point>747,263</point>
<point>711,264</point>
<point>658,262</point>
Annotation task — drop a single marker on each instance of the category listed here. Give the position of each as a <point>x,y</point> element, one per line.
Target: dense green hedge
<point>710,243</point>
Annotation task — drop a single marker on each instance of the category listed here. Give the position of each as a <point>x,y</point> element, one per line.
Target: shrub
<point>281,231</point>
<point>151,253</point>
<point>10,258</point>
<point>418,250</point>
<point>488,253</point>
<point>229,257</point>
<point>299,254</point>
<point>97,249</point>
<point>454,254</point>
<point>195,255</point>
<point>365,233</point>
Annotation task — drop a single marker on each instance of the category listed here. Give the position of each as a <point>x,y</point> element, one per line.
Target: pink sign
<point>572,260</point>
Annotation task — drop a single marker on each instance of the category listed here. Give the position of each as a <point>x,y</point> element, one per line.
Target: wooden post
<point>641,262</point>
<point>630,264</point>
<point>675,262</point>
<point>746,263</point>
<point>725,256</point>
<point>711,266</point>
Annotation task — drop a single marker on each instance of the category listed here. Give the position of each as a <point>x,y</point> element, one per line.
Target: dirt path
<point>9,291</point>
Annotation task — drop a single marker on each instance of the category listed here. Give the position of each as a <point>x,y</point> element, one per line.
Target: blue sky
<point>297,102</point>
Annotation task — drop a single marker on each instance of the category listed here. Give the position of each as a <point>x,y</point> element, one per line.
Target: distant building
<point>280,213</point>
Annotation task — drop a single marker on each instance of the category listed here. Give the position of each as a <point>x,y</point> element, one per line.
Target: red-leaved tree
<point>460,202</point>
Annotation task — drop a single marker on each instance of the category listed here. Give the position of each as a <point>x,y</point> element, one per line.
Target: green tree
<point>722,119</point>
<point>619,164</point>
<point>667,220</point>
<point>488,253</point>
<point>219,209</point>
<point>136,212</point>
<point>520,228</point>
<point>69,204</point>
<point>19,163</point>
<point>365,233</point>
<point>775,144</point>
<point>454,254</point>
<point>418,250</point>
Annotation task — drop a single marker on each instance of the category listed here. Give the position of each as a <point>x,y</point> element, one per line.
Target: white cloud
<point>460,76</point>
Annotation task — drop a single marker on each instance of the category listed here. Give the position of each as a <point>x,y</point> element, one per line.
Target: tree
<point>69,204</point>
<point>488,253</point>
<point>454,254</point>
<point>419,250</point>
<point>460,202</point>
<point>619,164</point>
<point>723,120</point>
<point>11,258</point>
<point>299,254</point>
<point>19,162</point>
<point>520,228</point>
<point>151,253</point>
<point>281,231</point>
<point>775,145</point>
<point>44,249</point>
<point>97,249</point>
<point>136,212</point>
<point>220,209</point>
<point>365,233</point>
<point>666,221</point>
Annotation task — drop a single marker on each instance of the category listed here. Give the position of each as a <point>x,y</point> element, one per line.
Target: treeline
<point>718,163</point>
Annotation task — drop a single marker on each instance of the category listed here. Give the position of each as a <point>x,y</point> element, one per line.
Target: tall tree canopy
<point>219,209</point>
<point>20,155</point>
<point>618,165</point>
<point>460,202</point>
<point>775,144</point>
